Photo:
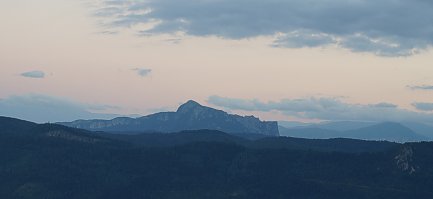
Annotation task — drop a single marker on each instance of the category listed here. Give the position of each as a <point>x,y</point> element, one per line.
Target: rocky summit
<point>189,116</point>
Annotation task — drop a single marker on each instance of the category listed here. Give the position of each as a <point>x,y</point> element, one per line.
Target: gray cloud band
<point>385,28</point>
<point>34,74</point>
<point>329,109</point>
<point>423,106</point>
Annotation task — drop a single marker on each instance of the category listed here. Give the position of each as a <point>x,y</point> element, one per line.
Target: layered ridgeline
<point>49,161</point>
<point>189,116</point>
<point>389,131</point>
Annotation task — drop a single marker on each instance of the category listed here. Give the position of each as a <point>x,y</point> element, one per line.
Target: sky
<point>295,60</point>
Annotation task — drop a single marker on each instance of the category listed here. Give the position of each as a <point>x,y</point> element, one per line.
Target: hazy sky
<point>305,60</point>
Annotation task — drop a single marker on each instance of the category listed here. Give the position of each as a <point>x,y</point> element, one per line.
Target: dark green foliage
<point>328,145</point>
<point>176,139</point>
<point>72,163</point>
<point>253,141</point>
<point>12,125</point>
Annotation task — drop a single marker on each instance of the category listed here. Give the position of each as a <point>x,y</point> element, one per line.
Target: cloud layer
<point>386,27</point>
<point>326,109</point>
<point>423,106</point>
<point>421,87</point>
<point>143,72</point>
<point>34,74</point>
<point>42,108</point>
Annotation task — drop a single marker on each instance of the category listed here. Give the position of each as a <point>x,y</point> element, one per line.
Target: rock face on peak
<point>189,106</point>
<point>189,116</point>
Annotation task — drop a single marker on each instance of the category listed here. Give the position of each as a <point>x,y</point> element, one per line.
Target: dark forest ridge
<point>53,161</point>
<point>16,127</point>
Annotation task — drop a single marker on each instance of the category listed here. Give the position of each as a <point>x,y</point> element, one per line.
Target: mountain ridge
<point>390,131</point>
<point>189,116</point>
<point>41,163</point>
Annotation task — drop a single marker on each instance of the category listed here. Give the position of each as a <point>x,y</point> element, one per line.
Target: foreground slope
<point>189,116</point>
<point>77,164</point>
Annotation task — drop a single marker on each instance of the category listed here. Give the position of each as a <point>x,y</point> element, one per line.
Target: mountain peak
<point>189,116</point>
<point>189,105</point>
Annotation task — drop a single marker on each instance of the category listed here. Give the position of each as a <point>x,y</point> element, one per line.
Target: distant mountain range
<point>339,125</point>
<point>193,116</point>
<point>389,131</point>
<point>189,116</point>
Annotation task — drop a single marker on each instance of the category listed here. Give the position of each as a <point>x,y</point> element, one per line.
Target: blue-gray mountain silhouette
<point>389,131</point>
<point>189,116</point>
